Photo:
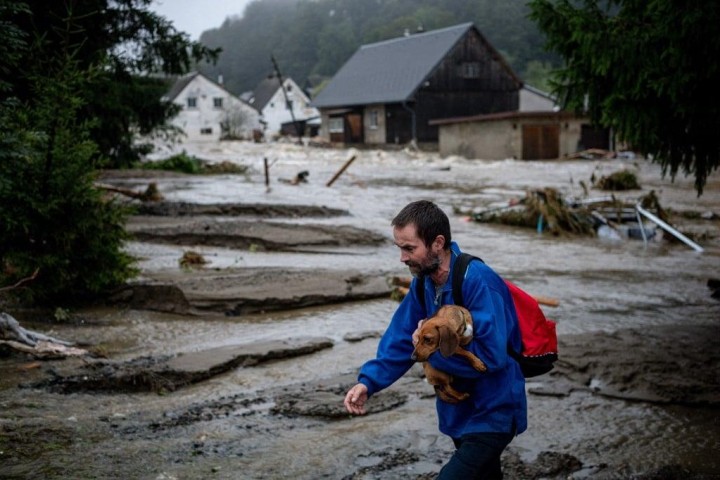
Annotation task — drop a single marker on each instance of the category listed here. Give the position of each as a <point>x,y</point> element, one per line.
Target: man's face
<point>420,259</point>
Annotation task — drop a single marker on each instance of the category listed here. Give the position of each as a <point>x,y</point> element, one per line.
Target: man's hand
<point>355,399</point>
<point>416,333</point>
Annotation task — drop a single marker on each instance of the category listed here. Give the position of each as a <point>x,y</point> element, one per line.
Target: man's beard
<point>425,268</point>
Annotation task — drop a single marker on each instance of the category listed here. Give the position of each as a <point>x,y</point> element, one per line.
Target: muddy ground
<point>298,428</point>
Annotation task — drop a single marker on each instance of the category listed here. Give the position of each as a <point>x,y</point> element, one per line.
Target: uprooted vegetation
<point>618,181</point>
<point>546,210</point>
<point>185,163</point>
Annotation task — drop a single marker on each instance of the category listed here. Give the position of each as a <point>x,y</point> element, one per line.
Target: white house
<point>209,112</point>
<point>535,100</point>
<point>278,107</point>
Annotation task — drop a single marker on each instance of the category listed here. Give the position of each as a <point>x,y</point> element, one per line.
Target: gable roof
<point>180,85</point>
<point>265,91</point>
<point>392,70</point>
<point>182,82</point>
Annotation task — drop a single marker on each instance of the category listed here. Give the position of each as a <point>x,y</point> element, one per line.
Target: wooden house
<point>209,112</point>
<point>388,91</point>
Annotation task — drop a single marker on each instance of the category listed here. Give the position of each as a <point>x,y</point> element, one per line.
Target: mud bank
<point>635,394</point>
<point>226,437</point>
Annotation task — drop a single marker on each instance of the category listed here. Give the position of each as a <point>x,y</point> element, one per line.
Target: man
<point>484,424</point>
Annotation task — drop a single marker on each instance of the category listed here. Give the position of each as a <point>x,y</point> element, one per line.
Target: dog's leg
<point>441,382</point>
<point>448,394</point>
<point>474,361</point>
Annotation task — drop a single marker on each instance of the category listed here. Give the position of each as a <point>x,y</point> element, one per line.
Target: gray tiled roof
<point>180,85</point>
<point>264,91</point>
<point>389,71</point>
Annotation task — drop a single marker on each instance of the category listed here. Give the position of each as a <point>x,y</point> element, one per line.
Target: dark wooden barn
<point>388,92</point>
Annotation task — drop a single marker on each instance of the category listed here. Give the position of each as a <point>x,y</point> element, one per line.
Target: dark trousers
<point>477,457</point>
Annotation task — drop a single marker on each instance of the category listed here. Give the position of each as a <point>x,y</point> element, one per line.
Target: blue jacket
<point>497,400</point>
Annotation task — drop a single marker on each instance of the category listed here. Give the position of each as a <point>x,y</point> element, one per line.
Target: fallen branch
<point>37,344</point>
<point>339,172</point>
<point>21,281</point>
<point>150,194</point>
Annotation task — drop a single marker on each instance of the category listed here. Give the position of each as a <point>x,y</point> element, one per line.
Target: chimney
<point>220,79</point>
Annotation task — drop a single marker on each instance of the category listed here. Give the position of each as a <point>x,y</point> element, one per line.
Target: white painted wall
<point>276,112</point>
<point>202,122</point>
<point>534,101</point>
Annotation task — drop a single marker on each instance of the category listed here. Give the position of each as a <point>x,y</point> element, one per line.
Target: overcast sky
<point>195,16</point>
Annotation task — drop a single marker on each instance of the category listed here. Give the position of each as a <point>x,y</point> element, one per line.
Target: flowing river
<point>604,285</point>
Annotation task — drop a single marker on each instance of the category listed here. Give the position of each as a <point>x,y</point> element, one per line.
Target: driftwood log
<point>37,344</point>
<point>151,194</point>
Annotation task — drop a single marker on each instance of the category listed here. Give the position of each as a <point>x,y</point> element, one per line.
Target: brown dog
<point>448,330</point>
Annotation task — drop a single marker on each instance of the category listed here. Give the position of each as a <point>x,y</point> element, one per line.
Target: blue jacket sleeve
<point>395,347</point>
<point>487,298</point>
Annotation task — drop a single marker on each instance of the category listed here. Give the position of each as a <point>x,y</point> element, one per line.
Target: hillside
<point>311,39</point>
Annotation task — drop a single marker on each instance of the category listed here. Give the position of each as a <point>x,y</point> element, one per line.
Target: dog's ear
<point>449,340</point>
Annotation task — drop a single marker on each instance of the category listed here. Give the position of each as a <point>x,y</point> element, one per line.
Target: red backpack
<point>539,339</point>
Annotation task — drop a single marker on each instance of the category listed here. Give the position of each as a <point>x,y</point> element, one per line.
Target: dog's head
<point>441,332</point>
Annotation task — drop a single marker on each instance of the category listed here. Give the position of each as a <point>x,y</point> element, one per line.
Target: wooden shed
<point>388,91</point>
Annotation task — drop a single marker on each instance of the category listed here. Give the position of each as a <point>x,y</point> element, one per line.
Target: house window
<point>206,131</point>
<point>470,70</point>
<point>288,88</point>
<point>335,125</point>
<point>373,119</point>
<point>217,102</point>
<point>192,102</point>
<point>289,104</point>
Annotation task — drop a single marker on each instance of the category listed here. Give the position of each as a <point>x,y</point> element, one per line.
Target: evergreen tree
<point>76,84</point>
<point>648,70</point>
<point>52,220</point>
<point>126,44</point>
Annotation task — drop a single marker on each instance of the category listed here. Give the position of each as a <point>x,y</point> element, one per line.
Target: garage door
<point>540,142</point>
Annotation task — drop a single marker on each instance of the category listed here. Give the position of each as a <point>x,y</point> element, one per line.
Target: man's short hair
<point>429,220</point>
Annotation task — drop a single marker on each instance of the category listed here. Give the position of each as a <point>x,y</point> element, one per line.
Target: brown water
<point>603,285</point>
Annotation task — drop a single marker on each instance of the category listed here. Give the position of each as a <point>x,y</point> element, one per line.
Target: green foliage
<point>123,42</point>
<point>538,74</point>
<point>181,162</point>
<point>312,39</point>
<point>14,42</point>
<point>644,69</point>
<point>52,219</point>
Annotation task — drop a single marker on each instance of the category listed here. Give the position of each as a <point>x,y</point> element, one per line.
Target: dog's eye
<point>427,340</point>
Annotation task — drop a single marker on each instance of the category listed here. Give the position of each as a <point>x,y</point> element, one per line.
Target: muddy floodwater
<point>626,306</point>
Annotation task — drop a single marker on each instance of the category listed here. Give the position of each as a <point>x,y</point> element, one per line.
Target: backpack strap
<point>461,265</point>
<point>459,269</point>
<point>420,291</point>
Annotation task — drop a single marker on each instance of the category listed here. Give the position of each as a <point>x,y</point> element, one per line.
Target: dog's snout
<point>413,357</point>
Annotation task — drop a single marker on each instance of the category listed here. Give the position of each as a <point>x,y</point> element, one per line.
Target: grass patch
<point>184,163</point>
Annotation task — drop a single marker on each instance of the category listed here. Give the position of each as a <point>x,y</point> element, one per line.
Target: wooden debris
<point>618,181</point>
<point>592,153</point>
<point>22,281</point>
<point>39,345</point>
<point>151,193</point>
<point>339,172</point>
<point>192,259</point>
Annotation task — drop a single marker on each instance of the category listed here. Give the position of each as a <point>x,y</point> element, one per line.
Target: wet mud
<point>237,369</point>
